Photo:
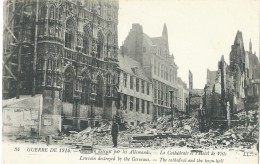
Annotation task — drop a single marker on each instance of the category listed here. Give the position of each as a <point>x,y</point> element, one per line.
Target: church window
<point>68,87</point>
<point>99,97</point>
<point>69,34</point>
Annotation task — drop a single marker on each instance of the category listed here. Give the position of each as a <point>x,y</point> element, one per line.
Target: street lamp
<point>171,92</point>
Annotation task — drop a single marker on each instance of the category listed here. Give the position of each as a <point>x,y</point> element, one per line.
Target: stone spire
<point>165,31</point>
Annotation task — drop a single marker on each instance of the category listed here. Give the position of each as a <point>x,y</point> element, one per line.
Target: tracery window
<point>109,41</point>
<point>85,45</point>
<point>69,34</point>
<point>60,13</point>
<point>50,64</point>
<point>42,16</point>
<point>68,85</point>
<point>43,12</point>
<point>86,90</point>
<point>100,45</point>
<point>99,97</point>
<point>108,86</point>
<point>51,16</point>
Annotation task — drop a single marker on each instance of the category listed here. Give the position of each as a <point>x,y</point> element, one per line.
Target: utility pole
<point>171,92</point>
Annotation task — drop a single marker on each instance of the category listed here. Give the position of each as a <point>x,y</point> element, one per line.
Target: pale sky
<point>199,31</point>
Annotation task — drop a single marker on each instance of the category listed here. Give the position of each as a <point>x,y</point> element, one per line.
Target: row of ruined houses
<point>233,87</point>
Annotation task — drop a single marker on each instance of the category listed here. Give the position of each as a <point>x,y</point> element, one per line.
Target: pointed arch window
<point>40,63</point>
<point>109,41</point>
<point>43,12</point>
<point>85,45</point>
<point>99,97</point>
<point>51,16</point>
<point>41,29</point>
<point>69,34</point>
<point>58,64</point>
<point>86,41</point>
<point>100,45</point>
<point>60,13</point>
<point>68,85</point>
<point>50,64</point>
<point>42,16</point>
<point>86,90</point>
<point>108,85</point>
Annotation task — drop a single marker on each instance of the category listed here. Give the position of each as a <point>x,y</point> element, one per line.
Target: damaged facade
<point>183,95</point>
<point>157,63</point>
<point>66,51</point>
<point>135,91</point>
<point>234,87</point>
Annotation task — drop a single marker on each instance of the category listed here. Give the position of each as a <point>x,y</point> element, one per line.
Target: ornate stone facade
<point>76,45</point>
<point>158,64</point>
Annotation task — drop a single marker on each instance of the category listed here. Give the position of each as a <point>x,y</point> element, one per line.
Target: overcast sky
<point>199,31</point>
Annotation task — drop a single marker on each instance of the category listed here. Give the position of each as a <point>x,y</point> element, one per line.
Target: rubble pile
<point>160,134</point>
<point>145,135</point>
<point>98,135</point>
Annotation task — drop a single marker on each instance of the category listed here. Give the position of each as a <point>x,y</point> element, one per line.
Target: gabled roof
<point>126,64</point>
<point>147,39</point>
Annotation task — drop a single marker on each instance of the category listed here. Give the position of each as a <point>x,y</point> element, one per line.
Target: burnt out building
<point>67,52</point>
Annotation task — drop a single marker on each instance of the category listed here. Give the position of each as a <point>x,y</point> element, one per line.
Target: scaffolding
<point>19,47</point>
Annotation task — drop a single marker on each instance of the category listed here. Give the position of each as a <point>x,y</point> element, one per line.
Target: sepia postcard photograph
<point>130,81</point>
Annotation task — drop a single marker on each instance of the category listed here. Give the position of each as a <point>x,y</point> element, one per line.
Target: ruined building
<point>183,95</point>
<point>135,90</point>
<point>237,65</point>
<point>245,69</point>
<point>236,84</point>
<point>66,51</point>
<point>158,64</point>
